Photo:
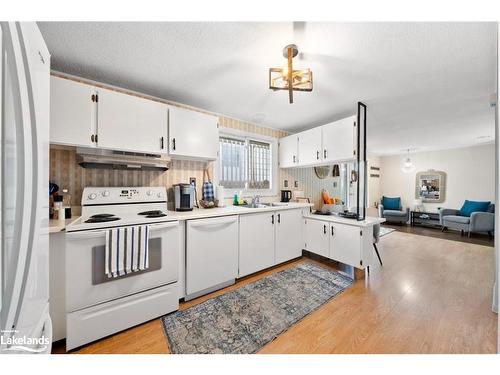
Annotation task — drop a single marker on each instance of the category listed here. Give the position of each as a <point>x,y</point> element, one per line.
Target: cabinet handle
<point>317,155</point>
<point>324,153</point>
<point>279,218</point>
<point>272,219</point>
<point>324,229</point>
<point>161,143</point>
<point>333,232</point>
<point>92,138</point>
<point>294,158</point>
<point>173,143</point>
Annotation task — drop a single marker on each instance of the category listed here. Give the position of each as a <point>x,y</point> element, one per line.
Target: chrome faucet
<point>255,200</point>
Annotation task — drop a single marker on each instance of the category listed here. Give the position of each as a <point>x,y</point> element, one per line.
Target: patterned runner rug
<point>244,320</point>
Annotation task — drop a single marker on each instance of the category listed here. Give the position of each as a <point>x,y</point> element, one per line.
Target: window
<point>245,163</point>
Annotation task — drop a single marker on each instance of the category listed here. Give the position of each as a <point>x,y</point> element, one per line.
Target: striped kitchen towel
<point>127,250</point>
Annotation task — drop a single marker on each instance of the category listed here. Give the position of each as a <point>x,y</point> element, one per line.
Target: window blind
<point>259,165</point>
<point>232,154</point>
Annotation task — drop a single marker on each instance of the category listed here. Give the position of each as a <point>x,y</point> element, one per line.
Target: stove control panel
<point>117,195</point>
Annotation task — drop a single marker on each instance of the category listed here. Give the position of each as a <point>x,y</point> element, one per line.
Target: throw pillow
<point>473,206</point>
<point>391,203</point>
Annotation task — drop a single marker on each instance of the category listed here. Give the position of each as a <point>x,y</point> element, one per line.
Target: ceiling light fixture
<point>408,165</point>
<point>287,78</point>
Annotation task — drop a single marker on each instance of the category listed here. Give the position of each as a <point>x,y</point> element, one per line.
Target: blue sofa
<point>392,211</point>
<point>469,222</point>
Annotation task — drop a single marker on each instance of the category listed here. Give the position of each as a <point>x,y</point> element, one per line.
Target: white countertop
<point>369,220</point>
<point>58,226</point>
<point>201,213</point>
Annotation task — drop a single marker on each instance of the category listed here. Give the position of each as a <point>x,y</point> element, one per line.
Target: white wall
<point>470,174</point>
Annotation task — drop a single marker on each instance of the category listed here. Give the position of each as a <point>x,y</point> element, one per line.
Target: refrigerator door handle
<point>23,102</point>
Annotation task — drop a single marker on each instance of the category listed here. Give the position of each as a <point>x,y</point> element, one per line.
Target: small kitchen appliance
<point>184,197</point>
<point>286,195</point>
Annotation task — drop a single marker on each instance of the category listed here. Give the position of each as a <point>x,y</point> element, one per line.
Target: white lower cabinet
<point>348,244</point>
<point>211,254</point>
<point>345,244</point>
<point>317,237</point>
<point>256,242</point>
<point>269,238</point>
<point>289,240</point>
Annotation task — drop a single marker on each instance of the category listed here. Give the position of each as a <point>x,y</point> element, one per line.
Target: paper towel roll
<point>220,195</point>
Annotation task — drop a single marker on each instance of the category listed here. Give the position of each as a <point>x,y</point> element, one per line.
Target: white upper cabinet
<point>339,140</point>
<point>193,134</point>
<point>72,113</point>
<point>310,147</point>
<point>330,143</point>
<point>288,151</point>
<point>289,240</point>
<point>130,123</point>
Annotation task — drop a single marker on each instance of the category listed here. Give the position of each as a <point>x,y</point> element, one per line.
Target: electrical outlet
<point>192,181</point>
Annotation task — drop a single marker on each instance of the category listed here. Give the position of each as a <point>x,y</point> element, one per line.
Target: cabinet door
<point>317,237</point>
<point>129,123</point>
<point>345,244</point>
<point>256,242</point>
<point>339,140</point>
<point>193,134</point>
<point>309,146</point>
<point>289,241</point>
<point>288,151</point>
<point>72,113</point>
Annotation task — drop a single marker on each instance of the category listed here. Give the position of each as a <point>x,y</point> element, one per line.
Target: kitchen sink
<point>264,205</point>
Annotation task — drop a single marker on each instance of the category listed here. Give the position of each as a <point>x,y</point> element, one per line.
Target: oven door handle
<point>102,232</point>
<point>86,234</point>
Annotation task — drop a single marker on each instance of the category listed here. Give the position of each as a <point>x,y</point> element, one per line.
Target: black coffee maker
<point>286,195</point>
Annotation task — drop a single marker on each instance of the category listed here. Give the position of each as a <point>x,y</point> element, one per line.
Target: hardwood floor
<point>431,296</point>
<point>476,238</point>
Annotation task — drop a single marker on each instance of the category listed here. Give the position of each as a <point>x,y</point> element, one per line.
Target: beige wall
<point>470,174</point>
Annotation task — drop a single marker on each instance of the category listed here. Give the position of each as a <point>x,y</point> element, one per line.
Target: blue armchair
<point>478,221</point>
<point>392,211</point>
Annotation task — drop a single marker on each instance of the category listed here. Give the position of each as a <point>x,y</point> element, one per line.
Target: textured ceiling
<point>426,85</point>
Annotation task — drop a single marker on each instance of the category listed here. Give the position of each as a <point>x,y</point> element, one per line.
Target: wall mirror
<point>430,186</point>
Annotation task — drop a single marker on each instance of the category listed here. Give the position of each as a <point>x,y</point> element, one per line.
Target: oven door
<point>86,281</point>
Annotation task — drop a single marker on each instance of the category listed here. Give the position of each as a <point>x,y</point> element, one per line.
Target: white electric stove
<point>96,305</point>
<point>121,206</point>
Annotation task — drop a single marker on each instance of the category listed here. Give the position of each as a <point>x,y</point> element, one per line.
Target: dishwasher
<point>211,254</point>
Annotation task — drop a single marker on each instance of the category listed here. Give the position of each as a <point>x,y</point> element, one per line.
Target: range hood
<point>124,160</point>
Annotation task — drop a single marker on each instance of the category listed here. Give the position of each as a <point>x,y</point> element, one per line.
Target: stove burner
<point>101,216</point>
<point>161,214</point>
<point>152,213</point>
<point>102,219</point>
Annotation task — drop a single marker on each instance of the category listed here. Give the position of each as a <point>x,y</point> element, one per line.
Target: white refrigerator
<point>25,325</point>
